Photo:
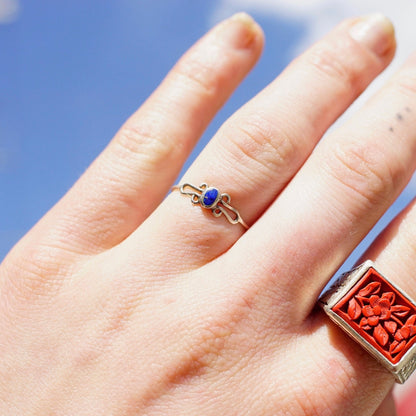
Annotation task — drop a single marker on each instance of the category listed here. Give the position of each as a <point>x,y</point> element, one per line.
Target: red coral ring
<point>378,315</point>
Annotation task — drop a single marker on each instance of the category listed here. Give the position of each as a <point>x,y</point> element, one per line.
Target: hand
<point>121,302</point>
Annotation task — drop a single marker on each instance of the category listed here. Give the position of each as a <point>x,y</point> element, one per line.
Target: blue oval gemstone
<point>210,196</point>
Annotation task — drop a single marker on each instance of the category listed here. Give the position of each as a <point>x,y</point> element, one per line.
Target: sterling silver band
<point>210,198</point>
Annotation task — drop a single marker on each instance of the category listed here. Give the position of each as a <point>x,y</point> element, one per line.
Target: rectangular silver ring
<point>376,314</point>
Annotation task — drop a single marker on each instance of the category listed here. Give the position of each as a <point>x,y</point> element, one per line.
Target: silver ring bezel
<point>337,290</point>
<point>217,199</point>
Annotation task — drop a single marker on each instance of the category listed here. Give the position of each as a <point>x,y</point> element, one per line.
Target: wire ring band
<point>376,314</point>
<point>210,197</point>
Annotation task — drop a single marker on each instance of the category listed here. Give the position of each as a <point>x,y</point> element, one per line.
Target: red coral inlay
<point>380,314</point>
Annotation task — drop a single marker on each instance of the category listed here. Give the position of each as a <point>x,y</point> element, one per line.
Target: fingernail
<point>244,18</point>
<point>240,30</point>
<point>375,31</point>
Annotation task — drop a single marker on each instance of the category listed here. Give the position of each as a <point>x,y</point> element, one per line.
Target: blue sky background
<point>73,71</point>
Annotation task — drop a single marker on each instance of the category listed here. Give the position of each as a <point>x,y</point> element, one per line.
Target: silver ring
<point>211,198</point>
<point>376,314</point>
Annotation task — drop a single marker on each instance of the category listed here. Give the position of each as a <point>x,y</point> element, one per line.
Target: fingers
<point>341,191</point>
<point>134,173</point>
<point>387,407</point>
<point>394,251</point>
<point>261,147</point>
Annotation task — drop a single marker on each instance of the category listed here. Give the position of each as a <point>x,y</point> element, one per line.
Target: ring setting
<point>209,197</point>
<point>376,314</point>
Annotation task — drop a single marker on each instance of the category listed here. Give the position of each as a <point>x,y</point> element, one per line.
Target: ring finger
<point>259,149</point>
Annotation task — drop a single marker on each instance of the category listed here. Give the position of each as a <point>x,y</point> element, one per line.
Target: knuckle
<point>34,276</point>
<point>211,340</point>
<point>200,354</point>
<point>198,75</point>
<point>217,334</point>
<point>327,60</point>
<point>257,140</point>
<point>143,141</point>
<point>362,169</point>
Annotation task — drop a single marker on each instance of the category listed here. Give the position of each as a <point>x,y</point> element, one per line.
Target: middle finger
<point>353,176</point>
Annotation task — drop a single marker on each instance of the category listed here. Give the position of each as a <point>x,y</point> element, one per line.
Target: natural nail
<point>240,30</point>
<point>375,31</point>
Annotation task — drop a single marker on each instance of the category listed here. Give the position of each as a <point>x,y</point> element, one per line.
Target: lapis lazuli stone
<point>210,196</point>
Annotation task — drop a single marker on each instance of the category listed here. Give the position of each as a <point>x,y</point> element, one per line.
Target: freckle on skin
<point>391,129</point>
<point>407,109</point>
<point>399,116</point>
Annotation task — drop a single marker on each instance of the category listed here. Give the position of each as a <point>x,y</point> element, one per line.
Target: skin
<point>121,302</point>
